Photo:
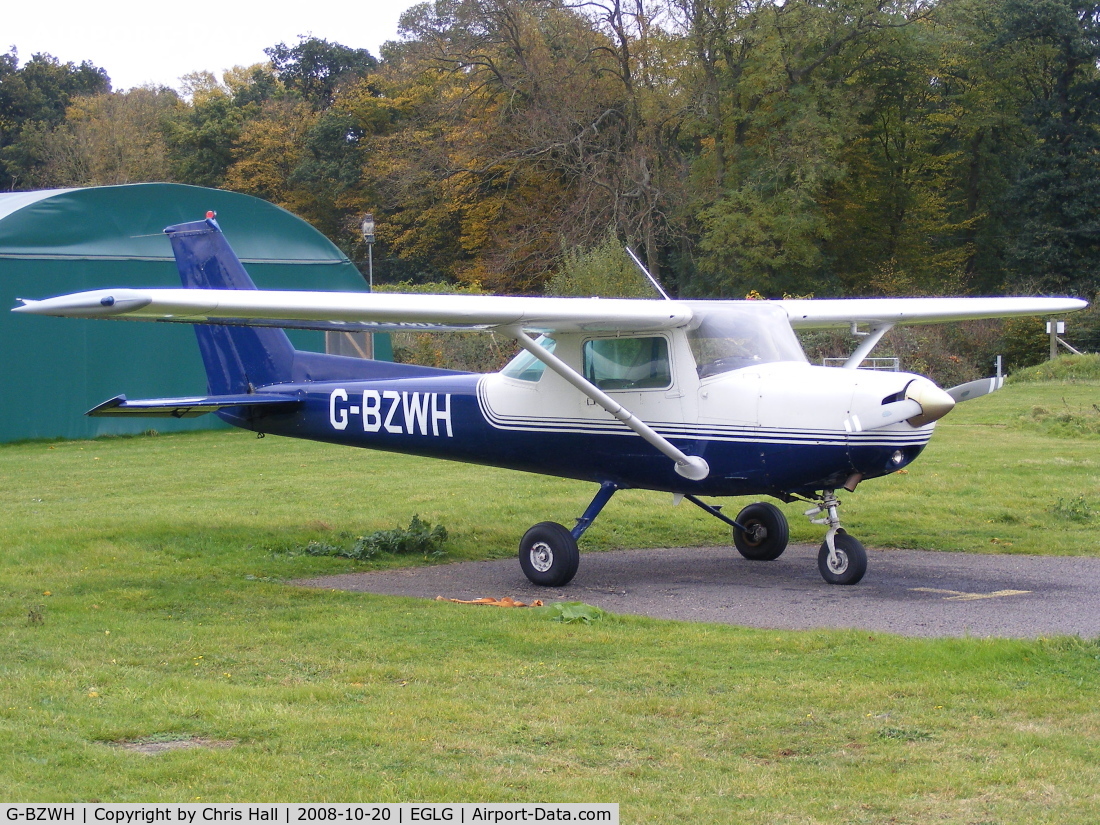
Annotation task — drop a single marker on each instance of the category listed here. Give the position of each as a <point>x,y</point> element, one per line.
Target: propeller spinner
<point>921,402</point>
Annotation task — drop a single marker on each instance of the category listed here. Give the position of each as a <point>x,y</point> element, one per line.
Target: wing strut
<point>689,466</point>
<point>864,349</point>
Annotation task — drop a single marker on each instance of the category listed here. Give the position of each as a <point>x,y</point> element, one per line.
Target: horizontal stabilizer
<point>188,407</point>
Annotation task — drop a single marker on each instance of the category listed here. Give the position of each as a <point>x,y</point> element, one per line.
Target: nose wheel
<point>841,559</point>
<point>845,562</point>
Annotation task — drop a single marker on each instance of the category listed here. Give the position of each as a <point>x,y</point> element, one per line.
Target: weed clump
<point>419,538</point>
<point>1067,422</point>
<point>905,734</point>
<point>1075,509</point>
<point>572,613</point>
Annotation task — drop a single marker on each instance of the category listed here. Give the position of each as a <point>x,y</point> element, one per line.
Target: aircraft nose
<point>934,402</point>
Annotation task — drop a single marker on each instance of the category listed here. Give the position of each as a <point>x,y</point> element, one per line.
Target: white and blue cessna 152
<point>696,398</point>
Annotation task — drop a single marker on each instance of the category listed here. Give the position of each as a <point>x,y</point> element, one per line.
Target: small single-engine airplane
<point>695,398</point>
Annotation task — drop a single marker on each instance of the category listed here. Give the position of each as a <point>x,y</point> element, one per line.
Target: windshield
<point>527,367</point>
<point>732,336</point>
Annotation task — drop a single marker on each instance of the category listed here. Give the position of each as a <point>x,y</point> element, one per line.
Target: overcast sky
<point>151,41</point>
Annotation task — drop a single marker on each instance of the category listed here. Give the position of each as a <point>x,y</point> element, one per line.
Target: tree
<point>36,96</point>
<point>315,69</point>
<point>537,134</point>
<point>203,142</point>
<point>779,103</point>
<point>268,149</point>
<point>107,139</point>
<point>904,213</point>
<point>1056,198</point>
<point>603,271</point>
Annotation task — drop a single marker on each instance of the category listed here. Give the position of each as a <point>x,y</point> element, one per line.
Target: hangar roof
<point>126,222</point>
<point>68,240</point>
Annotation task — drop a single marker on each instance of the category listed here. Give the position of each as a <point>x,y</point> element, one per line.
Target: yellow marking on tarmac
<point>960,596</point>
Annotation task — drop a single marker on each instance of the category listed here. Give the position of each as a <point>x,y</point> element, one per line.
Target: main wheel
<point>850,564</point>
<point>548,555</point>
<point>766,532</point>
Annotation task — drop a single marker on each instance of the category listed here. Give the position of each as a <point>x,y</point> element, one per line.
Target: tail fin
<point>241,359</point>
<point>237,359</point>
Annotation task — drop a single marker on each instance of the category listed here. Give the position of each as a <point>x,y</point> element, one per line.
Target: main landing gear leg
<point>841,559</point>
<point>760,532</point>
<point>548,553</point>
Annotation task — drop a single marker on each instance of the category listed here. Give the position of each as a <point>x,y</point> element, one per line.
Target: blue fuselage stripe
<point>441,417</point>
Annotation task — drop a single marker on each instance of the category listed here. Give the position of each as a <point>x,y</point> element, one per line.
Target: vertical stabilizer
<point>237,359</point>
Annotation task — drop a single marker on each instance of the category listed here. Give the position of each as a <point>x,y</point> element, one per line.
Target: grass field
<point>142,600</point>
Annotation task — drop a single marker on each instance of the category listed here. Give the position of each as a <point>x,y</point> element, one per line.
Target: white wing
<point>382,311</point>
<point>825,313</point>
<point>379,310</point>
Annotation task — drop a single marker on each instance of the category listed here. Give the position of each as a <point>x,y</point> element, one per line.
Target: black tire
<point>766,532</point>
<point>548,555</point>
<point>852,559</point>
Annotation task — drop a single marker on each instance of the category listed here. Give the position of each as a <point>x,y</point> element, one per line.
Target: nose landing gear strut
<point>841,559</point>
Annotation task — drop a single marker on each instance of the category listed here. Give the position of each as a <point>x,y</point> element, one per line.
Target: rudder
<point>237,359</point>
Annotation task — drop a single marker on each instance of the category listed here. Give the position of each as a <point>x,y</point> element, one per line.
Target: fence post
<point>1055,328</point>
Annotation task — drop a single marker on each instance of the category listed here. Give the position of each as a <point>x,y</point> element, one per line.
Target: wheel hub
<point>756,534</point>
<point>838,561</point>
<point>542,557</point>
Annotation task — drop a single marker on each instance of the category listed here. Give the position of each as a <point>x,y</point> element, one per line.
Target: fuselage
<point>778,427</point>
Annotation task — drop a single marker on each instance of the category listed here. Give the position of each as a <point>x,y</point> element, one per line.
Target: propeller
<point>976,389</point>
<point>922,402</point>
<point>892,413</point>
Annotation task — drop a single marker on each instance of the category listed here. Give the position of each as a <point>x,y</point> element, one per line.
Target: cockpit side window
<point>525,366</point>
<point>733,337</point>
<point>627,363</point>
